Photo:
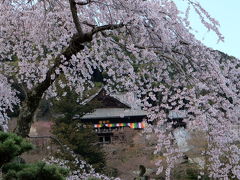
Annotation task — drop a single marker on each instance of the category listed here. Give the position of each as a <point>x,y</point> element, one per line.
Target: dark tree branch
<point>84,3</point>
<point>73,8</point>
<point>89,24</point>
<point>106,27</point>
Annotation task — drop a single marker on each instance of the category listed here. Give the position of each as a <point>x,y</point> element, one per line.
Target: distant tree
<point>78,136</point>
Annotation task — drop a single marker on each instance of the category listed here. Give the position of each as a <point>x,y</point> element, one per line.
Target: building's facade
<point>115,113</point>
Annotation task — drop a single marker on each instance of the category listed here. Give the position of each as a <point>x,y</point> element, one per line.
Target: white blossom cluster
<point>83,172</point>
<point>7,100</point>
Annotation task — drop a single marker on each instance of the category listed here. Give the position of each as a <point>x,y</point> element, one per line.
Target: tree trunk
<point>31,103</point>
<point>27,111</point>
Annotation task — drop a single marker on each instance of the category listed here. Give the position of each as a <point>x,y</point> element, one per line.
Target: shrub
<point>11,147</point>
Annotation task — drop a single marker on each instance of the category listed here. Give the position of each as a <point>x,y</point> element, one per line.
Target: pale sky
<point>227,12</point>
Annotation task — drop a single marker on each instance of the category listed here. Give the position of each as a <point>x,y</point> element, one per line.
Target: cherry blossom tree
<point>144,46</point>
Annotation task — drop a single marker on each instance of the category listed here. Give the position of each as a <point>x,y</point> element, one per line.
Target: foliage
<point>38,171</point>
<point>77,136</point>
<point>68,106</point>
<point>12,146</point>
<point>83,141</point>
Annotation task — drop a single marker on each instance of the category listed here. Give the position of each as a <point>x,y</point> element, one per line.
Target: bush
<point>11,147</point>
<point>36,171</point>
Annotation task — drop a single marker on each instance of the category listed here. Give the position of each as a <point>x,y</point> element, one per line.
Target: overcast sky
<point>227,12</point>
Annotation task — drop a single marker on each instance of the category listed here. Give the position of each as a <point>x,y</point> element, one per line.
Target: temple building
<point>114,113</point>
